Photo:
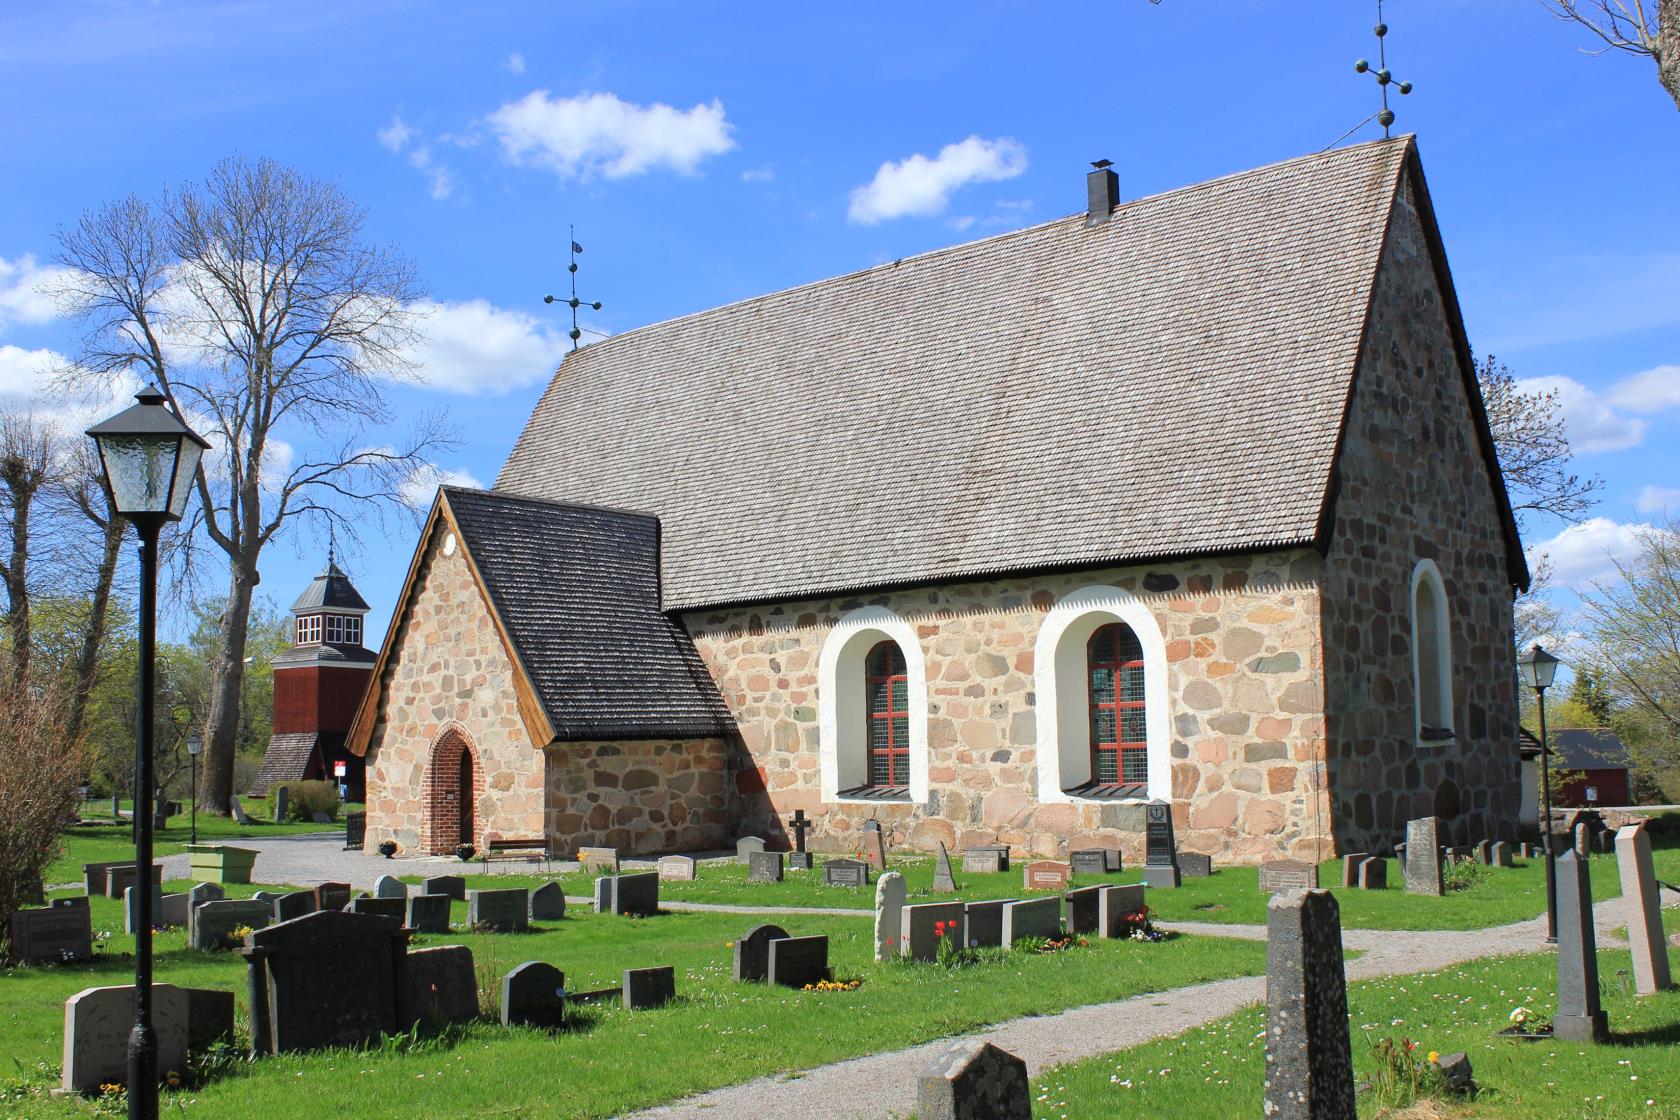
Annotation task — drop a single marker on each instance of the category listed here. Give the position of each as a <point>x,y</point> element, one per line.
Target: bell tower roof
<point>332,591</point>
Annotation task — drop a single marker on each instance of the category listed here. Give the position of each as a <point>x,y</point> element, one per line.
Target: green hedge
<point>305,799</point>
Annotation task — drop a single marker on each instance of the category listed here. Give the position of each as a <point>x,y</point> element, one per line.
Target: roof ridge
<point>511,496</point>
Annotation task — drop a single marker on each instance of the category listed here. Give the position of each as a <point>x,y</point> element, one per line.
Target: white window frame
<point>309,630</point>
<point>1427,573</point>
<point>1061,681</point>
<point>842,737</point>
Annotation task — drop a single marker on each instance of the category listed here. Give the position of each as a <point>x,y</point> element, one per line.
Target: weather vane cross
<point>574,303</point>
<point>1385,117</point>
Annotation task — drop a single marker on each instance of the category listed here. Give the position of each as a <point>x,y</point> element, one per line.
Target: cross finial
<point>574,303</point>
<point>1385,116</point>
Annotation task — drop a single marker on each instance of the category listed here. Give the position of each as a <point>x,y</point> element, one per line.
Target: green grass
<point>111,842</point>
<point>719,1032</point>
<point>1219,1069</point>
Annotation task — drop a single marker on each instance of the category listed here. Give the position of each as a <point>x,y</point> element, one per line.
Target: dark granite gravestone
<point>389,886</point>
<point>1501,853</point>
<point>599,859</point>
<point>211,924</point>
<point>1484,853</point>
<point>394,908</point>
<point>172,911</point>
<point>1640,895</point>
<point>1195,865</point>
<point>438,986</point>
<point>606,890</point>
<point>922,929</point>
<point>636,894</point>
<point>534,995</point>
<point>943,881</point>
<point>1031,917</point>
<point>845,873</point>
<point>282,803</point>
<point>648,988</point>
<point>332,896</point>
<point>326,979</point>
<point>1045,875</point>
<point>1373,874</point>
<point>794,962</point>
<point>1079,909</point>
<point>1118,909</point>
<point>746,846</point>
<point>1423,857</point>
<point>60,932</point>
<point>1096,861</point>
<point>764,867</point>
<point>874,846</point>
<point>800,860</point>
<point>501,911</point>
<point>1350,868</point>
<point>94,878</point>
<point>974,1080</point>
<point>1579,1017</point>
<point>294,905</point>
<point>428,913</point>
<point>1288,875</point>
<point>452,885</point>
<point>548,903</point>
<point>983,922</point>
<point>752,953</point>
<point>1160,865</point>
<point>984,861</point>
<point>120,876</point>
<point>240,816</point>
<point>679,869</point>
<point>97,1022</point>
<point>209,1017</point>
<point>1309,1055</point>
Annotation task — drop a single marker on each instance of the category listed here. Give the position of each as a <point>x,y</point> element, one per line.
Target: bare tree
<point>1650,28</point>
<point>85,493</point>
<point>255,304</point>
<point>27,451</point>
<point>1533,447</point>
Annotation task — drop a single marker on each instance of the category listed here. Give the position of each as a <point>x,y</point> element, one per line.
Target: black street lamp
<point>1538,668</point>
<point>150,460</point>
<point>195,747</point>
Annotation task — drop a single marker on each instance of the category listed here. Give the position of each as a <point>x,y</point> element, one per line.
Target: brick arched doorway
<point>454,784</point>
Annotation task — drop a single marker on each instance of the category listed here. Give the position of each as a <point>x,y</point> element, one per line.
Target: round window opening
<point>449,544</point>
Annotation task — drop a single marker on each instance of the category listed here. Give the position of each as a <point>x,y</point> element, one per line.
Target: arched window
<point>1431,654</point>
<point>1119,737</point>
<point>886,692</point>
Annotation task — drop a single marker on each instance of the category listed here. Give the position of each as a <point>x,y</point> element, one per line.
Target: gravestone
<point>326,979</point>
<point>1079,909</point>
<point>1400,854</point>
<point>1117,910</point>
<point>983,922</point>
<point>1350,868</point>
<point>266,896</point>
<point>943,881</point>
<point>452,885</point>
<point>239,814</point>
<point>746,846</point>
<point>97,1022</point>
<point>1423,857</point>
<point>794,962</point>
<point>332,896</point>
<point>1195,865</point>
<point>60,932</point>
<point>1160,865</point>
<point>1579,1016</point>
<point>1095,861</point>
<point>648,988</point>
<point>606,887</point>
<point>212,923</point>
<point>94,878</point>
<point>120,876</point>
<point>1643,907</point>
<point>1583,839</point>
<point>890,893</point>
<point>427,913</point>
<point>389,886</point>
<point>282,803</point>
<point>974,1080</point>
<point>845,873</point>
<point>534,995</point>
<point>131,905</point>
<point>1484,852</point>
<point>984,861</point>
<point>752,953</point>
<point>294,905</point>
<point>637,894</point>
<point>599,859</point>
<point>172,911</point>
<point>1309,1054</point>
<point>1031,917</point>
<point>1525,850</point>
<point>679,869</point>
<point>548,903</point>
<point>1288,875</point>
<point>874,846</point>
<point>1045,875</point>
<point>203,892</point>
<point>500,911</point>
<point>1500,853</point>
<point>764,867</point>
<point>322,818</point>
<point>395,909</point>
<point>1373,874</point>
<point>922,928</point>
<point>800,859</point>
<point>438,986</point>
<point>209,1017</point>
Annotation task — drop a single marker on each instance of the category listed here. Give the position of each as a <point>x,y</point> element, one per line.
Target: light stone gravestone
<point>1309,1053</point>
<point>240,816</point>
<point>1095,861</point>
<point>974,1080</point>
<point>172,911</point>
<point>1579,1018</point>
<point>1350,868</point>
<point>389,886</point>
<point>922,928</point>
<point>427,913</point>
<point>97,1022</point>
<point>452,885</point>
<point>534,995</point>
<point>1288,875</point>
<point>1079,908</point>
<point>983,922</point>
<point>59,932</point>
<point>943,881</point>
<point>131,904</point>
<point>1423,857</point>
<point>1032,917</point>
<point>213,923</point>
<point>890,893</point>
<point>1373,874</point>
<point>330,978</point>
<point>764,867</point>
<point>1117,908</point>
<point>202,893</point>
<point>501,911</point>
<point>1643,907</point>
<point>1484,852</point>
<point>606,887</point>
<point>648,988</point>
<point>1160,865</point>
<point>845,873</point>
<point>794,962</point>
<point>984,861</point>
<point>1501,853</point>
<point>746,846</point>
<point>679,869</point>
<point>548,903</point>
<point>1583,839</point>
<point>438,986</point>
<point>599,859</point>
<point>752,953</point>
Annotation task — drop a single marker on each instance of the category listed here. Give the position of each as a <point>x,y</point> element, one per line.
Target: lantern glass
<point>141,471</point>
<point>194,745</point>
<point>1538,668</point>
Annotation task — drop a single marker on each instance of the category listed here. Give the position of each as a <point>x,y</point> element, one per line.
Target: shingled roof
<point>1170,382</point>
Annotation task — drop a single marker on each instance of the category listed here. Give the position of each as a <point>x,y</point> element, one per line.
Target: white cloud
<point>1593,426</point>
<point>921,186</point>
<point>23,296</point>
<point>1589,551</point>
<point>515,62</point>
<point>396,135</point>
<point>439,178</point>
<point>475,347</point>
<point>1661,500</point>
<point>1651,391</point>
<point>598,133</point>
<point>420,487</point>
<point>764,174</point>
<point>24,373</point>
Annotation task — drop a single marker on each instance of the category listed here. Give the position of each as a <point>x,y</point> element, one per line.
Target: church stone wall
<point>1414,485</point>
<point>1244,701</point>
<point>641,797</point>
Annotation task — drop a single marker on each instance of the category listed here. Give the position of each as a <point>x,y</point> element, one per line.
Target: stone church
<point>1189,497</point>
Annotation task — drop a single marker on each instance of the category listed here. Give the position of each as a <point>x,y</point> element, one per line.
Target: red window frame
<point>885,669</point>
<point>1124,653</point>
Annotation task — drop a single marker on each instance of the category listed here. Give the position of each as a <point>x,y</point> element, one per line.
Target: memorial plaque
<point>548,903</point>
<point>97,1022</point>
<point>1117,910</point>
<point>1079,909</point>
<point>845,873</point>
<point>325,979</point>
<point>439,985</point>
<point>60,932</point>
<point>983,922</point>
<point>213,923</point>
<point>752,953</point>
<point>799,861</point>
<point>1195,865</point>
<point>636,894</point>
<point>427,913</point>
<point>452,885</point>
<point>599,859</point>
<point>534,995</point>
<point>394,908</point>
<point>332,896</point>
<point>746,846</point>
<point>797,961</point>
<point>1287,875</point>
<point>922,928</point>
<point>1045,875</point>
<point>679,869</point>
<point>983,861</point>
<point>648,988</point>
<point>764,867</point>
<point>500,911</point>
<point>1031,917</point>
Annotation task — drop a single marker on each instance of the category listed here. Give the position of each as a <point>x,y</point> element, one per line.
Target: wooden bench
<point>535,850</point>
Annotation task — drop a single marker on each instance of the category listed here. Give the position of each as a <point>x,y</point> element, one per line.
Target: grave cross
<point>800,823</point>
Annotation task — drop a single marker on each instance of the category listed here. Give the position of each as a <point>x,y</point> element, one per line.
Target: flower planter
<point>220,863</point>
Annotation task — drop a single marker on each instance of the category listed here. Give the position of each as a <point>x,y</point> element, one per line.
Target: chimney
<point>1102,193</point>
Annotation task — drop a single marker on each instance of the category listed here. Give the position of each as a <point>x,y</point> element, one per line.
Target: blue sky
<point>711,152</point>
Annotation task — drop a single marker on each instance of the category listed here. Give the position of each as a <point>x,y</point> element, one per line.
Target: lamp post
<point>1538,668</point>
<point>195,747</point>
<point>150,460</point>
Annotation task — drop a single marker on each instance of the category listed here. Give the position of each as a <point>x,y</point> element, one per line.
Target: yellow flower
<point>1434,1055</point>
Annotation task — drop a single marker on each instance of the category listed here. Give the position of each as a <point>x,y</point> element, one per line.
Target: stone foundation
<point>642,797</point>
